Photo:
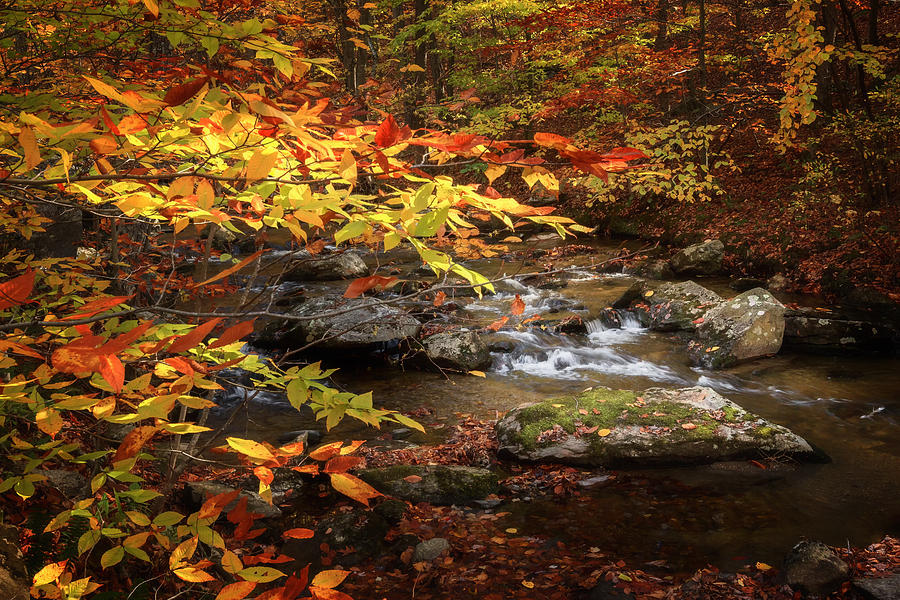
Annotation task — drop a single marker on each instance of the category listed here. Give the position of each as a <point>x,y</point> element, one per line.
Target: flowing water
<point>847,406</point>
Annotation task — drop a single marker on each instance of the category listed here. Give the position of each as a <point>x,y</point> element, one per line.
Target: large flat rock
<point>603,427</point>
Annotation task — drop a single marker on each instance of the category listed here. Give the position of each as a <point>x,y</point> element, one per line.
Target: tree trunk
<point>662,24</point>
<point>701,59</point>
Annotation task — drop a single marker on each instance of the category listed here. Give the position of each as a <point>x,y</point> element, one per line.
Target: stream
<point>683,518</point>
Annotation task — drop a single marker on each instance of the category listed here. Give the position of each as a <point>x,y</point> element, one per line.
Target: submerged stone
<point>346,265</point>
<point>604,427</point>
<point>459,350</point>
<point>437,484</point>
<point>670,306</point>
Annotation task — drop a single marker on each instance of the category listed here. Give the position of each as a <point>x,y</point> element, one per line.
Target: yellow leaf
<point>763,566</point>
<point>152,6</point>
<point>412,68</point>
<point>477,373</point>
<point>250,448</point>
<point>49,421</point>
<point>528,584</point>
<point>330,578</point>
<point>193,574</point>
<point>512,530</point>
<point>648,294</point>
<point>604,432</point>
<point>353,487</point>
<point>231,563</point>
<point>182,552</point>
<point>260,165</point>
<point>260,574</point>
<point>49,573</point>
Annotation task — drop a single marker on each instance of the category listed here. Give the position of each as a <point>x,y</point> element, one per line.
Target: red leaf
<point>230,270</point>
<point>233,334</point>
<point>96,307</point>
<point>518,306</point>
<point>133,442</point>
<point>16,291</point>
<point>321,593</point>
<point>120,342</point>
<point>236,590</point>
<point>362,285</point>
<point>624,154</point>
<point>214,505</point>
<point>182,93</point>
<point>388,132</point>
<point>190,340</point>
<point>439,298</point>
<point>107,120</point>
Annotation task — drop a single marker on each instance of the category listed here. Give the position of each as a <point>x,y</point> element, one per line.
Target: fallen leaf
<point>412,479</point>
<point>688,426</point>
<point>604,432</point>
<point>528,584</point>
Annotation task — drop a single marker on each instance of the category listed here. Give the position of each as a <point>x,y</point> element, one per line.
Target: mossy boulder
<point>437,484</point>
<point>604,427</point>
<point>748,326</point>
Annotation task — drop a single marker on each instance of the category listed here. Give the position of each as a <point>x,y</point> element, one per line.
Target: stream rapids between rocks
<point>685,518</point>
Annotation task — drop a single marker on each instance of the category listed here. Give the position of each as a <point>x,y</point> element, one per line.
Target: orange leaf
<point>193,574</point>
<point>518,306</point>
<point>133,441</point>
<point>342,464</point>
<point>29,145</point>
<point>264,474</point>
<point>182,93</point>
<point>330,578</point>
<point>321,593</point>
<point>215,504</point>
<point>298,533</point>
<point>439,298</point>
<point>362,285</point>
<point>236,591</point>
<point>103,145</point>
<point>353,487</point>
<point>412,478</point>
<point>688,426</point>
<point>325,452</point>
<point>551,140</point>
<point>230,270</point>
<point>234,333</point>
<point>190,340</point>
<point>496,325</point>
<point>16,291</point>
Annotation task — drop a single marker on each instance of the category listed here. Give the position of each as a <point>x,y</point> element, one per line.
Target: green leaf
<point>137,553</point>
<point>112,557</point>
<point>349,231</point>
<point>88,540</point>
<point>141,496</point>
<point>167,519</point>
<point>404,420</point>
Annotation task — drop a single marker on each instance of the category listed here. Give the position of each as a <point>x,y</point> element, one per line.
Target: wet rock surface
<point>341,324</point>
<point>813,330</point>
<point>748,326</point>
<point>704,258</point>
<point>437,484</point>
<point>604,427</point>
<point>345,265</point>
<point>880,588</point>
<point>458,350</point>
<point>815,568</point>
<point>669,306</point>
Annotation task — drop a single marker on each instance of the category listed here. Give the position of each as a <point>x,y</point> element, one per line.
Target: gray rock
<point>309,437</point>
<point>363,324</point>
<point>12,589</point>
<point>200,491</point>
<point>748,326</point>
<point>880,588</point>
<point>437,484</point>
<point>651,268</point>
<point>812,330</point>
<point>325,267</point>
<point>458,350</point>
<point>742,284</point>
<point>704,258</point>
<point>654,427</point>
<point>71,483</point>
<point>777,283</point>
<point>430,549</point>
<point>669,306</point>
<point>814,568</point>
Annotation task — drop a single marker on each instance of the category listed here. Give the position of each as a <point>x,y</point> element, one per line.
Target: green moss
<point>608,409</point>
<point>762,432</point>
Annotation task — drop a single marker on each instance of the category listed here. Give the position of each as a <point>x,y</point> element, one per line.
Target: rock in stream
<point>604,427</point>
